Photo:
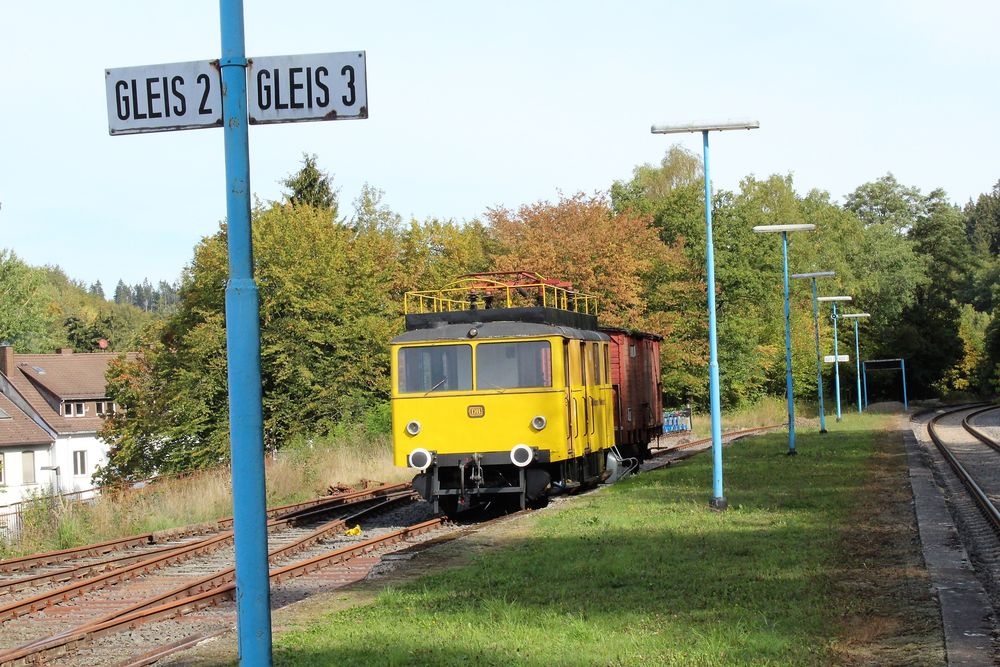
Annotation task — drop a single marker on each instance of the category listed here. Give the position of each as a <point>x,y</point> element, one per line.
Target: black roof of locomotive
<point>533,314</point>
<point>496,329</point>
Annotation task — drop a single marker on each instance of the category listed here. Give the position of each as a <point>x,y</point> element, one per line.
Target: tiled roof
<point>66,377</point>
<point>16,428</point>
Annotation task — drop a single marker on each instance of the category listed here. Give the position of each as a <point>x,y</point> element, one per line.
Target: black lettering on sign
<point>150,96</point>
<point>175,86</point>
<point>203,108</point>
<point>135,102</point>
<point>309,87</point>
<point>166,97</point>
<point>293,86</point>
<point>264,89</point>
<point>278,104</point>
<point>348,71</point>
<point>322,73</point>
<point>121,100</point>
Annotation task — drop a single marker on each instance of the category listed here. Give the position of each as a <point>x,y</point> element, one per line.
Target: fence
<point>677,421</point>
<point>12,516</point>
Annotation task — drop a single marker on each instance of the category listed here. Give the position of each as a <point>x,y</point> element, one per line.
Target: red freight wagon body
<point>635,374</point>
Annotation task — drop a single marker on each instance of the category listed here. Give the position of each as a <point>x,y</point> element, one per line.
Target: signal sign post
<point>194,95</point>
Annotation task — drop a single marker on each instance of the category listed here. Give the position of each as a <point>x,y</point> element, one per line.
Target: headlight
<point>521,455</point>
<point>538,423</point>
<point>420,458</point>
<point>413,428</point>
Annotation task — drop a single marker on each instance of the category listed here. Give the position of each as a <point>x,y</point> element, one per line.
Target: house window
<point>100,409</point>
<point>27,467</point>
<point>80,462</point>
<point>81,409</point>
<point>3,480</point>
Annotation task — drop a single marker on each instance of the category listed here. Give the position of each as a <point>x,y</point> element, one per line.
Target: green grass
<point>640,573</point>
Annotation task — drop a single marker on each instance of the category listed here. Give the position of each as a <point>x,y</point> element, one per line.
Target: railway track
<point>664,456</point>
<point>165,596</point>
<point>975,460</point>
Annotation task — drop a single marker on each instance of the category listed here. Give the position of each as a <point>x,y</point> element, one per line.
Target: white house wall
<point>96,454</point>
<point>14,490</point>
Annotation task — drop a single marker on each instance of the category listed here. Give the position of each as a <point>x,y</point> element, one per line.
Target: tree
<point>123,293</point>
<point>581,240</point>
<point>982,222</point>
<point>328,307</point>
<point>96,289</point>
<point>25,315</point>
<point>886,202</point>
<point>310,186</point>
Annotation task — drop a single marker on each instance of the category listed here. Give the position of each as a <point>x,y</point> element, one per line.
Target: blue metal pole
<point>819,361</point>
<point>788,348</point>
<point>864,380</point>
<point>857,362</point>
<point>902,367</point>
<point>718,499</point>
<point>836,360</point>
<point>253,606</point>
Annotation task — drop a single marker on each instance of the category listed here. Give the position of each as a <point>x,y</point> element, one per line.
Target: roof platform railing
<point>507,289</point>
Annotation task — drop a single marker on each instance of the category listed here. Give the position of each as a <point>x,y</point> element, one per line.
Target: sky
<point>474,105</point>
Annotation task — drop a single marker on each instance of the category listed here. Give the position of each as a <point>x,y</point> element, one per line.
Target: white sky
<point>476,104</point>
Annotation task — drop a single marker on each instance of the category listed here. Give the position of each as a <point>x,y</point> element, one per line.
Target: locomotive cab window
<point>517,365</point>
<point>435,368</point>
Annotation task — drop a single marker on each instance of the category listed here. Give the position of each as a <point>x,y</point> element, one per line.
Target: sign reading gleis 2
<point>280,89</point>
<point>158,98</point>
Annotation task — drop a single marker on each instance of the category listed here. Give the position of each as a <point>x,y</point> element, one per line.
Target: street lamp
<point>718,501</point>
<point>784,229</point>
<point>819,361</point>
<point>857,349</point>
<point>836,351</point>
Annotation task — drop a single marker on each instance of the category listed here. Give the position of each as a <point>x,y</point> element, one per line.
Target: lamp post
<point>857,349</point>
<point>784,229</point>
<point>819,360</point>
<point>718,501</point>
<point>836,351</point>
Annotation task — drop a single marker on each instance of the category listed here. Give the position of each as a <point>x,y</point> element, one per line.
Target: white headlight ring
<point>522,455</point>
<point>420,458</point>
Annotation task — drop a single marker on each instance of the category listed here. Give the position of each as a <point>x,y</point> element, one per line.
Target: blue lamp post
<point>857,349</point>
<point>836,350</point>
<point>784,229</point>
<point>819,360</point>
<point>718,501</point>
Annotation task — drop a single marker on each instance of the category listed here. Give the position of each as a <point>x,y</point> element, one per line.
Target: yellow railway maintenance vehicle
<point>503,389</point>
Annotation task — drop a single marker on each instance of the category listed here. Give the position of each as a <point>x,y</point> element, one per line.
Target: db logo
<point>476,411</point>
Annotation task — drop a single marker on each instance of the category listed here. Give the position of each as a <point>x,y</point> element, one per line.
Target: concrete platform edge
<point>966,613</point>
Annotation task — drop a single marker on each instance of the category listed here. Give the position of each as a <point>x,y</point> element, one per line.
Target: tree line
<point>43,310</point>
<point>331,293</point>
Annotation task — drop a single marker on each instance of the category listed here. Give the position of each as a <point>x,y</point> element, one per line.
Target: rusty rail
<point>174,555</point>
<point>211,596</point>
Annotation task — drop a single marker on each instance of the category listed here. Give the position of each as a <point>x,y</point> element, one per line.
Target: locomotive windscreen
<point>435,368</point>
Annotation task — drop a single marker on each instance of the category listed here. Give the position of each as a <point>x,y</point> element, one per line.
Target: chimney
<point>6,358</point>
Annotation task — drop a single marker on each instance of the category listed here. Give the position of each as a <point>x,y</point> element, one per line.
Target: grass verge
<point>814,563</point>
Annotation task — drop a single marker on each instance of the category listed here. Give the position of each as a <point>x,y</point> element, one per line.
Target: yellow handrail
<point>472,292</point>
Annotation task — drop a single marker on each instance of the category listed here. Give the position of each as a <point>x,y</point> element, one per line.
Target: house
<point>51,408</point>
